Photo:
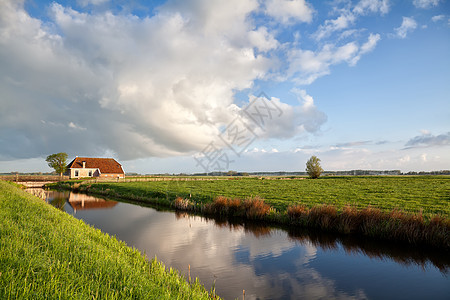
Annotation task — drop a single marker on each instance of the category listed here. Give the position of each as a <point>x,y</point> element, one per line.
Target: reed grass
<point>250,208</point>
<point>48,254</point>
<point>395,225</point>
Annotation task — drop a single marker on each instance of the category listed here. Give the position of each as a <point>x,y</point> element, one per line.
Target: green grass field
<point>48,254</point>
<point>429,194</point>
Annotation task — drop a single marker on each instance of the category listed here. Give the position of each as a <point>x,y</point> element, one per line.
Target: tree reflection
<point>58,200</point>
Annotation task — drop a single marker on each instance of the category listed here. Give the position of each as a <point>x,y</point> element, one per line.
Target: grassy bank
<point>47,254</point>
<point>410,209</point>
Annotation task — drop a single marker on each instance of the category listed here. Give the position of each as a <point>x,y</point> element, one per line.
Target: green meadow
<point>412,194</point>
<point>48,254</point>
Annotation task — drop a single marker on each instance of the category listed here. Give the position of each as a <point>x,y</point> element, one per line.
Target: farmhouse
<point>82,167</point>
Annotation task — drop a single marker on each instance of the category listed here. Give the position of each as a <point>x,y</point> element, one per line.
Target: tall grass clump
<point>183,204</point>
<point>255,208</point>
<point>323,217</point>
<point>224,206</point>
<point>395,225</point>
<point>252,208</point>
<point>48,254</point>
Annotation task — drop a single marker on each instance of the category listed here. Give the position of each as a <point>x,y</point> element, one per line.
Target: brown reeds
<point>183,204</point>
<point>226,206</point>
<point>395,225</point>
<point>250,208</point>
<point>255,208</point>
<point>373,222</point>
<point>323,217</point>
<point>297,212</point>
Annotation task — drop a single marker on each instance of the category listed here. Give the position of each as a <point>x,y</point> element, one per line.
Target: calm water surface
<point>268,263</point>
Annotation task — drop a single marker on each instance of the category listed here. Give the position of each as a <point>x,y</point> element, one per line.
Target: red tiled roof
<point>106,165</point>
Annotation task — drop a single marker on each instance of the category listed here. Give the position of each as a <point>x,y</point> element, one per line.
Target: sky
<point>190,86</point>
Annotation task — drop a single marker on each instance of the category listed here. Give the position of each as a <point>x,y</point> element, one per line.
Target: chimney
<point>84,164</point>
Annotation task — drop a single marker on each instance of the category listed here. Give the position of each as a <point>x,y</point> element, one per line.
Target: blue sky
<point>162,86</point>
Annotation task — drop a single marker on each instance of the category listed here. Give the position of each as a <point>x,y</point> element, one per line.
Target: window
<point>90,173</point>
<point>76,173</point>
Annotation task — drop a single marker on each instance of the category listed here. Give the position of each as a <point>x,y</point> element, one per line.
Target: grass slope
<point>47,254</point>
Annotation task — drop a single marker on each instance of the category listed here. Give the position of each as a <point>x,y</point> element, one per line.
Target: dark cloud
<point>429,140</point>
<point>352,144</point>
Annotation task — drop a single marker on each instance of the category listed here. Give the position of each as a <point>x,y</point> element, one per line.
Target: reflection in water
<point>258,230</point>
<point>352,245</point>
<point>76,201</point>
<point>56,198</point>
<point>83,201</point>
<point>400,253</point>
<point>271,263</point>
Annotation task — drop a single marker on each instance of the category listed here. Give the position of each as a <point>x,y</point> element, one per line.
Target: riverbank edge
<point>48,253</point>
<point>396,226</point>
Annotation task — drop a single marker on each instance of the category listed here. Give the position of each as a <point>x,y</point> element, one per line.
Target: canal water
<point>268,263</point>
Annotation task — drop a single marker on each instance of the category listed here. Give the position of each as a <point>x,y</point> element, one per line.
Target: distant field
<point>431,194</point>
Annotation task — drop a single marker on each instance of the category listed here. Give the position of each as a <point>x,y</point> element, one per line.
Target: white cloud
<point>370,44</point>
<point>423,157</point>
<point>366,47</point>
<point>75,126</point>
<point>309,65</point>
<point>372,6</point>
<point>306,65</point>
<point>93,2</point>
<point>330,26</point>
<point>91,83</point>
<point>142,87</point>
<point>348,17</point>
<point>292,120</point>
<point>438,18</point>
<point>408,25</point>
<point>289,11</point>
<point>404,159</point>
<point>262,39</point>
<point>425,3</point>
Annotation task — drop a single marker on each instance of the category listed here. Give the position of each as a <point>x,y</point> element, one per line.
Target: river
<point>266,262</point>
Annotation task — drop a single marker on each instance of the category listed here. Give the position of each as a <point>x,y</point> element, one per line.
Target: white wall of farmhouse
<point>82,173</point>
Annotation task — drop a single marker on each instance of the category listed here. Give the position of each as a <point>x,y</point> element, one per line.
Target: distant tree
<point>58,162</point>
<point>231,173</point>
<point>313,167</point>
